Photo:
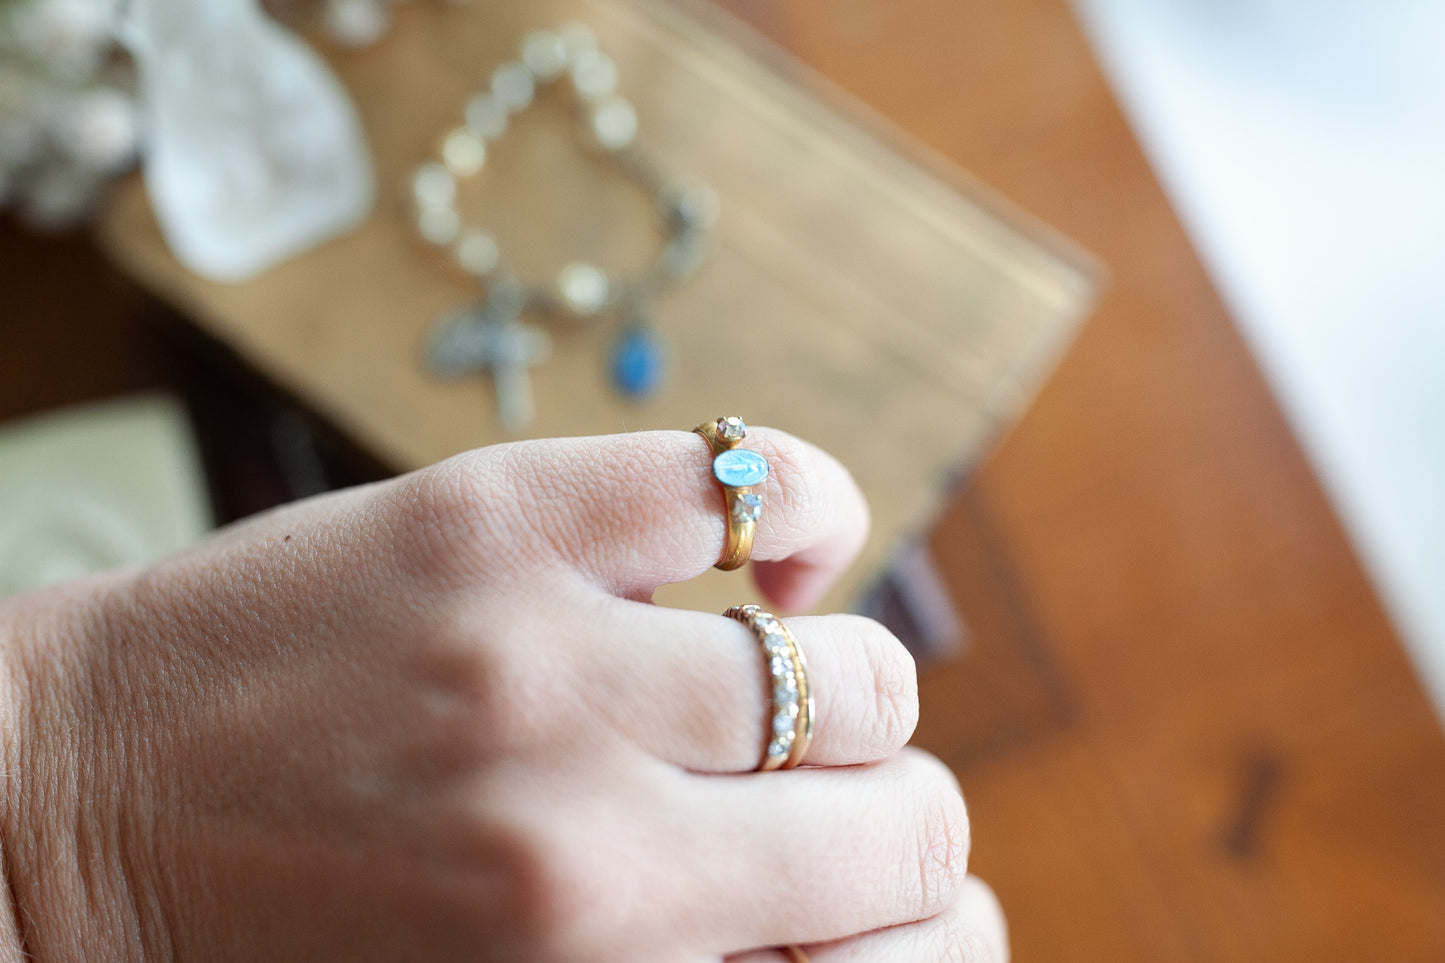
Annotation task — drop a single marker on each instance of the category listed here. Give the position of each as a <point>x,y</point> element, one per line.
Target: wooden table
<point>1185,729</point>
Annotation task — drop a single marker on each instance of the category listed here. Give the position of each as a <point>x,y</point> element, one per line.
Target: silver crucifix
<point>490,337</point>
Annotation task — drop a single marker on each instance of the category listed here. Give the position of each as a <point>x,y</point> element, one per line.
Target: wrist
<point>66,892</point>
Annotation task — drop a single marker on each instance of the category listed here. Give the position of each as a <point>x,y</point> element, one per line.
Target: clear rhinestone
<point>464,152</point>
<point>787,705</point>
<point>783,724</point>
<point>584,288</point>
<point>614,124</point>
<point>544,53</point>
<point>778,749</point>
<point>513,86</point>
<point>766,623</point>
<point>594,75</point>
<point>731,428</point>
<point>486,116</point>
<point>787,687</point>
<point>477,252</point>
<point>781,666</point>
<point>433,186</point>
<point>747,508</point>
<point>776,643</point>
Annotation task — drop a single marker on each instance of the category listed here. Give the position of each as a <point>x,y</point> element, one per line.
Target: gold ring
<point>796,954</point>
<point>790,715</point>
<point>739,471</point>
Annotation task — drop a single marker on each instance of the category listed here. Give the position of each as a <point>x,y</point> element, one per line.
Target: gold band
<point>796,954</point>
<point>741,506</point>
<point>790,710</point>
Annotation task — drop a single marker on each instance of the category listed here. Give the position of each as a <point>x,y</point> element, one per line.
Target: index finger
<point>633,512</point>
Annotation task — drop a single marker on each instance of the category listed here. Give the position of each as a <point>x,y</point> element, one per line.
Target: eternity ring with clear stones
<point>790,713</point>
<point>739,471</point>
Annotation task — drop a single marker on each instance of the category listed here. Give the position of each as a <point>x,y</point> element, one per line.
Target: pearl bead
<point>439,225</point>
<point>513,86</point>
<point>614,124</point>
<point>594,75</point>
<point>544,53</point>
<point>464,152</point>
<point>477,252</point>
<point>486,116</point>
<point>578,40</point>
<point>433,186</point>
<point>356,23</point>
<point>583,288</point>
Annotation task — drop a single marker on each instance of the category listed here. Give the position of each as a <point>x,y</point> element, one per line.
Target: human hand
<point>436,719</point>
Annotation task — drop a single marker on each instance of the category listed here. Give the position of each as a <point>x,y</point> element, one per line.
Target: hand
<point>437,718</point>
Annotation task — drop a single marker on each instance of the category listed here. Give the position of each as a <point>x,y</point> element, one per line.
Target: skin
<point>438,718</point>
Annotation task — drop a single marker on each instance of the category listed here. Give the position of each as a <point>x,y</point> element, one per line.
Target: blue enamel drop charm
<point>636,362</point>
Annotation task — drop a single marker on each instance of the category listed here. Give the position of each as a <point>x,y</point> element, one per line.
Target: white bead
<point>514,86</point>
<point>98,129</point>
<point>463,152</point>
<point>614,124</point>
<point>69,37</point>
<point>486,116</point>
<point>578,40</point>
<point>433,186</point>
<point>594,75</point>
<point>439,225</point>
<point>544,53</point>
<point>477,252</point>
<point>356,23</point>
<point>583,287</point>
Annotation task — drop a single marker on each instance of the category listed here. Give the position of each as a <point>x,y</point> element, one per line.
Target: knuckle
<point>553,893</point>
<point>537,884</point>
<point>455,514</point>
<point>943,837</point>
<point>487,687</point>
<point>564,902</point>
<point>470,701</point>
<point>436,508</point>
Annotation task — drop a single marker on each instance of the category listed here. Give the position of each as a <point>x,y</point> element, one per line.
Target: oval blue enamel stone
<point>740,468</point>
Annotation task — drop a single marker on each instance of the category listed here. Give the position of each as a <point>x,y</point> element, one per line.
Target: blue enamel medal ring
<point>739,471</point>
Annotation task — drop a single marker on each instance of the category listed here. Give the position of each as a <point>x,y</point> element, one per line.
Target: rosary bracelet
<point>490,336</point>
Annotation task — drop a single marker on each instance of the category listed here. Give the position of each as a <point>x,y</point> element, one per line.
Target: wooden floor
<point>1184,727</point>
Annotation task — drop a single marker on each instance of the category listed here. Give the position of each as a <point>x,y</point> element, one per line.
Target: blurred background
<point>1179,616</point>
<point>1302,146</point>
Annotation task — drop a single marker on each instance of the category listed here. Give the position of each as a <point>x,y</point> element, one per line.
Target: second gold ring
<point>790,710</point>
